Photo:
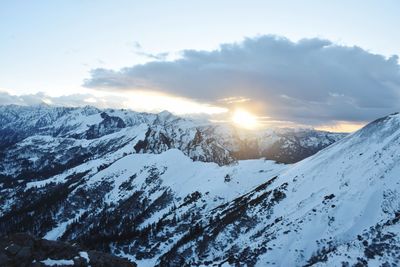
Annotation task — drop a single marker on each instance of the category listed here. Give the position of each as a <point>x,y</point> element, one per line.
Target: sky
<point>326,64</point>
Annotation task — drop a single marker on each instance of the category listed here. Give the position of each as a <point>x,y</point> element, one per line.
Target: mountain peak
<point>165,115</point>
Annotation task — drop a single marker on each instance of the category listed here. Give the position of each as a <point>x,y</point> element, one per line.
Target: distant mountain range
<point>155,133</point>
<point>169,191</point>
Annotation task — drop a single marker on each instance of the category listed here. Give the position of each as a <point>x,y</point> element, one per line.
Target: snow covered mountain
<point>32,137</point>
<point>163,190</point>
<point>340,207</point>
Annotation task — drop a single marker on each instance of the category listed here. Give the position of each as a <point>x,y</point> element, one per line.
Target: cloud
<point>157,56</point>
<point>74,100</point>
<point>138,101</point>
<point>311,81</point>
<point>138,50</point>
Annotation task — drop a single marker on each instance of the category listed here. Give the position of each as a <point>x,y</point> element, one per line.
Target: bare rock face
<point>22,249</point>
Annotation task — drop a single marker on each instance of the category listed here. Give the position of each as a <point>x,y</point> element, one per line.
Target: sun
<point>244,119</point>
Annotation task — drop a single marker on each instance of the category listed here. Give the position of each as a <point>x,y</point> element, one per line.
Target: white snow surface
<point>85,255</point>
<point>184,175</point>
<point>51,262</point>
<point>341,192</point>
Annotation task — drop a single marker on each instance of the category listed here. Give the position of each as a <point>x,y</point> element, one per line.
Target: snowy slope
<point>150,186</point>
<point>340,206</point>
<point>125,198</point>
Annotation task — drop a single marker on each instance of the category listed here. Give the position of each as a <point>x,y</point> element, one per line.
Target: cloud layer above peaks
<point>311,81</point>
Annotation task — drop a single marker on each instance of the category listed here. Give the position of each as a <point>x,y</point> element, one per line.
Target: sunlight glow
<point>156,102</point>
<point>342,126</point>
<point>244,119</point>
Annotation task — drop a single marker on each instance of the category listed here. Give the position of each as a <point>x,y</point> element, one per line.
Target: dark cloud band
<point>311,81</point>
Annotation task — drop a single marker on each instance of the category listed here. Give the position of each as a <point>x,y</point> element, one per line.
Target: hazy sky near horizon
<point>106,50</point>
